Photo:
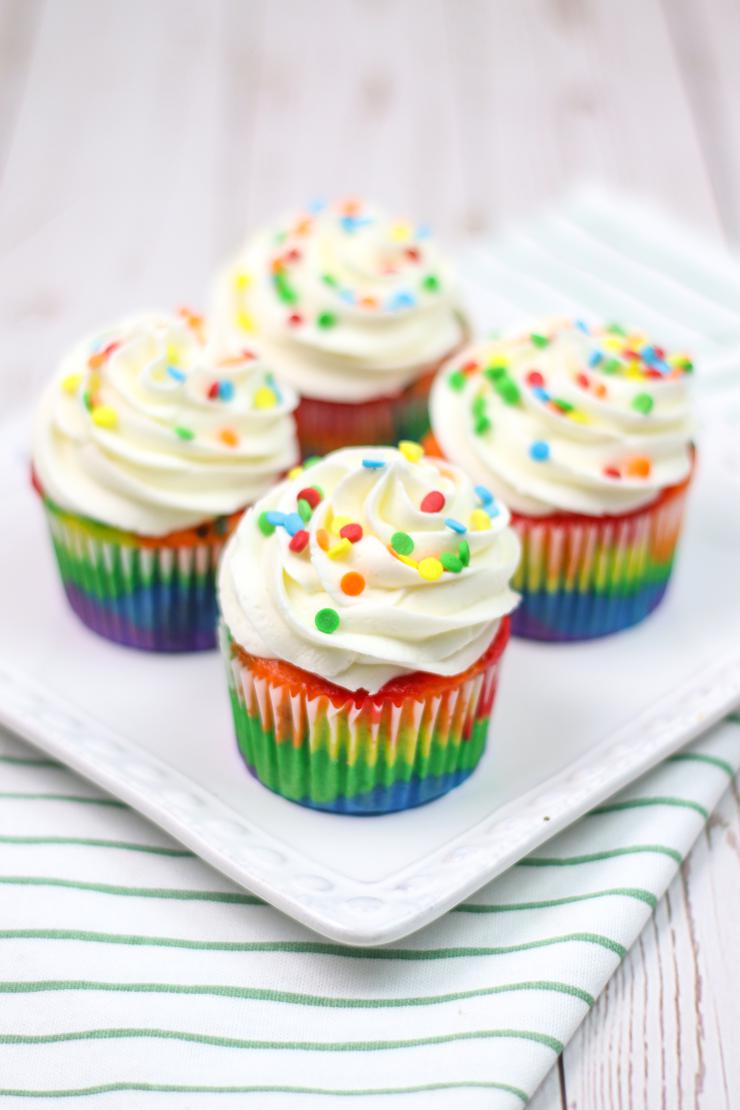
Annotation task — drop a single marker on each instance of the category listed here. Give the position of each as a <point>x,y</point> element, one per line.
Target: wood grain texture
<point>139,140</point>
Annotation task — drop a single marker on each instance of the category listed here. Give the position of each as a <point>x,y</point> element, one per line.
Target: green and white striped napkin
<point>134,975</point>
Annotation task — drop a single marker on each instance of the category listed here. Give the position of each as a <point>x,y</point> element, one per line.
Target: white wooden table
<point>138,139</point>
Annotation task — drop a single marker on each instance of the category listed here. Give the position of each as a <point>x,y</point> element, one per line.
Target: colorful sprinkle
<point>304,510</point>
<point>463,550</point>
<point>480,521</point>
<point>327,620</point>
<point>451,562</point>
<point>326,320</point>
<point>213,390</point>
<point>411,451</point>
<point>485,495</point>
<point>538,340</point>
<point>430,283</point>
<point>401,299</point>
<point>175,374</point>
<point>295,319</point>
<point>277,519</point>
<point>226,391</point>
<point>293,523</point>
<point>430,568</point>
<point>184,433</point>
<point>455,525</point>
<point>352,532</point>
<point>264,398</point>
<point>643,403</point>
<point>539,450</point>
<point>612,472</point>
<point>352,583</point>
<point>402,543</point>
<point>322,539</point>
<point>433,502</point>
<point>295,472</point>
<point>339,549</point>
<point>310,494</point>
<point>508,390</point>
<point>638,467</point>
<point>228,437</point>
<point>456,381</point>
<point>373,464</point>
<point>265,525</point>
<point>311,461</point>
<point>71,383</point>
<point>299,541</point>
<point>105,417</point>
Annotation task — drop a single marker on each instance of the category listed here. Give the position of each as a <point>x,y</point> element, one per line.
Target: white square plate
<point>573,724</point>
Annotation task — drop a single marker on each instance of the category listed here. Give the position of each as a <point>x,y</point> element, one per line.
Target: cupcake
<point>585,433</point>
<point>359,311</point>
<point>146,451</point>
<point>364,607</point>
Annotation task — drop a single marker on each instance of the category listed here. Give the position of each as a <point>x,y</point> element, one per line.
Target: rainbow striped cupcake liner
<point>152,596</point>
<point>359,754</point>
<point>582,578</point>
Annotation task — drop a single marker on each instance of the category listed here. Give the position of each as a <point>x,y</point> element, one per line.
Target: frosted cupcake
<point>359,311</point>
<point>364,607</point>
<point>585,433</point>
<point>146,452</point>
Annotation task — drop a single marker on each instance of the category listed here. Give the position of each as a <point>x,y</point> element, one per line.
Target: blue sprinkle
<point>176,374</point>
<point>539,451</point>
<point>455,525</point>
<point>275,518</point>
<point>662,366</point>
<point>541,393</point>
<point>353,223</point>
<point>316,206</point>
<point>423,231</point>
<point>485,495</point>
<point>583,326</point>
<point>292,523</point>
<point>595,358</point>
<point>347,295</point>
<point>373,464</point>
<point>401,299</point>
<point>226,391</point>
<point>493,510</point>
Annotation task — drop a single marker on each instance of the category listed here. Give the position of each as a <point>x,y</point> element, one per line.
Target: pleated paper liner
<point>358,753</point>
<point>152,593</point>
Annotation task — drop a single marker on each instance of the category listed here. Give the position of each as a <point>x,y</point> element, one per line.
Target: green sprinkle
<point>264,525</point>
<point>495,371</point>
<point>326,319</point>
<point>456,381</point>
<point>481,425</point>
<point>329,279</point>
<point>327,620</point>
<point>687,365</point>
<point>430,283</point>
<point>305,511</point>
<point>402,543</point>
<point>463,550</point>
<point>184,433</point>
<point>87,400</point>
<point>508,390</point>
<point>611,366</point>
<point>616,329</point>
<point>479,405</point>
<point>564,406</point>
<point>538,340</point>
<point>311,461</point>
<point>285,290</point>
<point>642,402</point>
<point>451,562</point>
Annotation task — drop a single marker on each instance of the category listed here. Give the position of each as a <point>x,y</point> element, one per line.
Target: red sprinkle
<point>535,379</point>
<point>299,540</point>
<point>583,380</point>
<point>295,319</point>
<point>293,255</point>
<point>351,532</point>
<point>413,254</point>
<point>612,472</point>
<point>470,367</point>
<point>309,494</point>
<point>213,391</point>
<point>433,502</point>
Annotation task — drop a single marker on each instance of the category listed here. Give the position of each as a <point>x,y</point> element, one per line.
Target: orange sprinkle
<point>638,467</point>
<point>229,437</point>
<point>352,583</point>
<point>303,226</point>
<point>322,539</point>
<point>600,389</point>
<point>369,302</point>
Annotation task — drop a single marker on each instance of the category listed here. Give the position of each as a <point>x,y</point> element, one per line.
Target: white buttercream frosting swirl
<point>350,304</point>
<point>567,417</point>
<point>144,430</point>
<point>423,588</point>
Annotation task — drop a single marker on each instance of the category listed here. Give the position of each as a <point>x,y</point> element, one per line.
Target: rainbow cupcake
<point>146,452</point>
<point>359,311</point>
<point>585,432</point>
<point>364,604</point>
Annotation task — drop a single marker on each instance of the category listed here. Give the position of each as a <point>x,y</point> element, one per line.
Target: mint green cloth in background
<point>133,974</point>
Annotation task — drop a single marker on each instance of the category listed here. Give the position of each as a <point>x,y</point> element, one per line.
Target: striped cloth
<point>133,974</point>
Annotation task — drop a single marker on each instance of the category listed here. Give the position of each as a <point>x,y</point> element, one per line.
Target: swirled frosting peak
<point>372,563</point>
<point>349,303</point>
<point>143,429</point>
<point>568,417</point>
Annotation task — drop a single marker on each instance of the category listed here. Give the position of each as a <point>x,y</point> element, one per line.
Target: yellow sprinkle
<point>480,521</point>
<point>244,320</point>
<point>71,383</point>
<point>430,568</point>
<point>242,280</point>
<point>636,339</point>
<point>579,417</point>
<point>405,559</point>
<point>633,371</point>
<point>173,354</point>
<point>400,232</point>
<point>264,398</point>
<point>498,362</point>
<point>105,416</point>
<point>296,470</point>
<point>339,549</point>
<point>675,360</point>
<point>339,522</point>
<point>410,450</point>
<point>613,342</point>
